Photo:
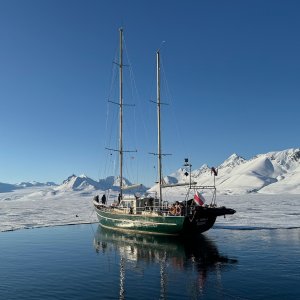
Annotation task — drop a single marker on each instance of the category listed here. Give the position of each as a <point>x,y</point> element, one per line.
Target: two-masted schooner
<point>150,214</point>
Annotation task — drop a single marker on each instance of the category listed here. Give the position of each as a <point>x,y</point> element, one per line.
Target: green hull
<point>165,225</point>
<point>157,225</point>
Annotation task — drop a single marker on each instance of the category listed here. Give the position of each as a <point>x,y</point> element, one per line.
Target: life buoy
<point>178,211</point>
<point>173,210</point>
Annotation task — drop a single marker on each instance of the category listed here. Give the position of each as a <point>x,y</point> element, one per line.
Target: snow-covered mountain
<point>84,183</point>
<point>271,173</point>
<point>78,183</point>
<point>8,187</point>
<point>232,161</point>
<point>74,183</point>
<point>112,182</point>
<point>34,183</point>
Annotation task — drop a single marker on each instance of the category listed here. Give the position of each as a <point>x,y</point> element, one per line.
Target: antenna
<point>161,44</point>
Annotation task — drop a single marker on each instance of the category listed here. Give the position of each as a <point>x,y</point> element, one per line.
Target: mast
<point>159,154</point>
<point>121,112</point>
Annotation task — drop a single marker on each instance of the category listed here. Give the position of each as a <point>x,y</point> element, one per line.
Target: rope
<point>169,99</point>
<point>144,118</point>
<point>109,133</point>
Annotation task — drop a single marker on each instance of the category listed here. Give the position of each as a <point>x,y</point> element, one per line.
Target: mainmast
<point>159,154</point>
<point>121,111</point>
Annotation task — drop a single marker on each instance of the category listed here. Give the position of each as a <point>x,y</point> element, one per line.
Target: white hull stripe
<point>139,231</point>
<point>140,222</point>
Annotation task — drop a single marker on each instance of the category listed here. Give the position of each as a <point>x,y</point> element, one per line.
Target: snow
<point>270,173</point>
<point>47,206</point>
<point>261,211</point>
<point>232,161</point>
<point>290,182</point>
<point>41,207</point>
<point>264,190</point>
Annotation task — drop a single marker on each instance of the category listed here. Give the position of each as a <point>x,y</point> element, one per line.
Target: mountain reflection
<point>196,253</point>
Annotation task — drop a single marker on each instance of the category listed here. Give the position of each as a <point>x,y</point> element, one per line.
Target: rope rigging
<point>112,123</point>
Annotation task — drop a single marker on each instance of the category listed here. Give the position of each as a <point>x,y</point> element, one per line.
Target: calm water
<point>85,262</point>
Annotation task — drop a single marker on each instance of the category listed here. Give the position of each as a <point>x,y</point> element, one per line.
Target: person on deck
<point>103,199</point>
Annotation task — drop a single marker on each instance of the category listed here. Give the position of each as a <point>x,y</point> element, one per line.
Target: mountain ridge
<point>259,174</point>
<point>269,173</point>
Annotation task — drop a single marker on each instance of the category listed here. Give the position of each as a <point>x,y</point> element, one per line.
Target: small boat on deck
<point>151,214</point>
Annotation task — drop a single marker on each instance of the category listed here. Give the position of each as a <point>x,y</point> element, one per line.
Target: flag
<point>214,171</point>
<point>199,199</point>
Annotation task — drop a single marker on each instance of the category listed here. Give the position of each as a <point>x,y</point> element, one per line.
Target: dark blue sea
<point>87,262</point>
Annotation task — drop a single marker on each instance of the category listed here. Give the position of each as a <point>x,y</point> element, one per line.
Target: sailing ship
<point>151,214</point>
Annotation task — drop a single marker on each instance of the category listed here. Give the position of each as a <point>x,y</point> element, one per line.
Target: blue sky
<point>232,70</point>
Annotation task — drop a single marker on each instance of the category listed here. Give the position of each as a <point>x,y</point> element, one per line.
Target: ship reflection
<point>197,253</point>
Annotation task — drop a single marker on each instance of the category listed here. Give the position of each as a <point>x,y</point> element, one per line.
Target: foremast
<point>121,105</point>
<point>121,111</point>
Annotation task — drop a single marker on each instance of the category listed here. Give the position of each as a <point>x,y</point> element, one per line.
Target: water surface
<point>87,262</point>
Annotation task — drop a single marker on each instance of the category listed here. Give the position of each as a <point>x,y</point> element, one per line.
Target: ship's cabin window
<point>127,203</point>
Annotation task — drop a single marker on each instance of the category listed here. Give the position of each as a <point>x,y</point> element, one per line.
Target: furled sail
<point>130,187</point>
